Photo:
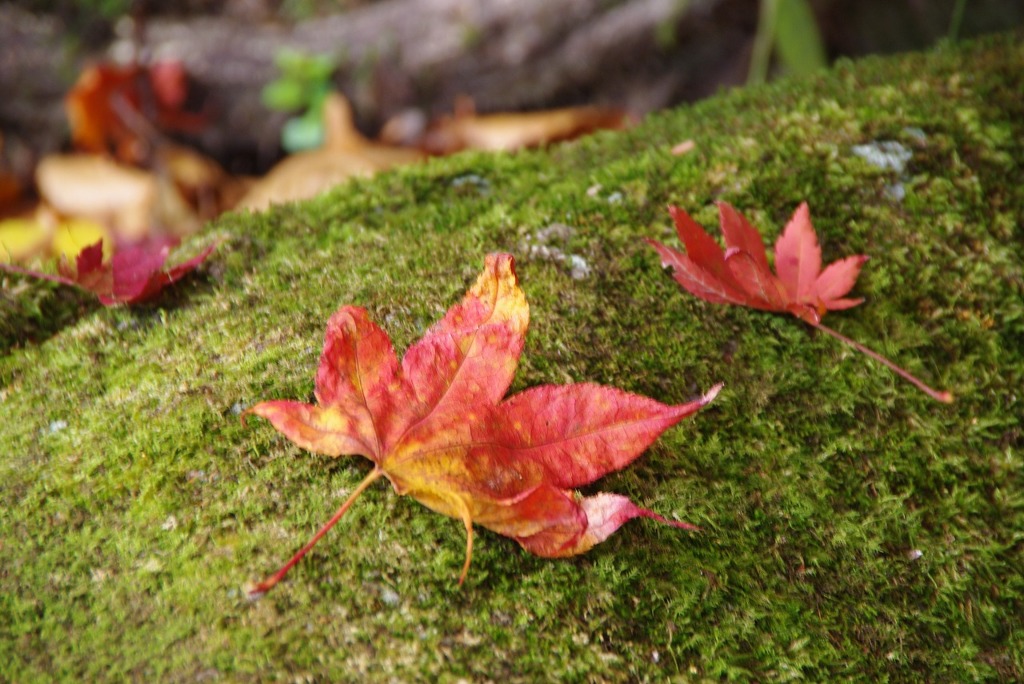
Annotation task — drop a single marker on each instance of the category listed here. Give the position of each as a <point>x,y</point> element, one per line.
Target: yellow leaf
<point>20,239</point>
<point>74,235</point>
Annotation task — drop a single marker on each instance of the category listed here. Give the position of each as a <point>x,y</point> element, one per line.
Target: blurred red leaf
<point>134,274</point>
<point>436,426</point>
<point>108,102</point>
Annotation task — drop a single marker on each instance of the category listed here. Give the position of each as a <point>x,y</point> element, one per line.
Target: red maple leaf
<point>133,275</point>
<point>741,275</point>
<point>436,427</point>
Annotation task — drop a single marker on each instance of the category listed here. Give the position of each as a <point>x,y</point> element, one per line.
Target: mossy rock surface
<point>852,527</point>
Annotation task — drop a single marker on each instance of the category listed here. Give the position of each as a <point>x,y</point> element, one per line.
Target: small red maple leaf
<point>133,275</point>
<point>436,427</point>
<point>741,275</point>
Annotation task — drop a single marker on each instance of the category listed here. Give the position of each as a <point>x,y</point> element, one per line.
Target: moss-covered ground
<point>853,528</point>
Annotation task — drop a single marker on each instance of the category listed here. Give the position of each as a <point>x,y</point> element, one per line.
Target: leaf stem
<point>11,268</point>
<point>257,590</point>
<point>938,395</point>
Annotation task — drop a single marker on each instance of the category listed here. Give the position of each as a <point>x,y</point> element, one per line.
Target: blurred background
<point>132,123</point>
<point>410,61</point>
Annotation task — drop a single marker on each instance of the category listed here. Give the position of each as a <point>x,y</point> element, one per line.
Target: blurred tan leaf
<point>504,132</point>
<point>200,180</point>
<point>132,203</point>
<point>345,154</point>
<point>91,187</point>
<point>190,168</point>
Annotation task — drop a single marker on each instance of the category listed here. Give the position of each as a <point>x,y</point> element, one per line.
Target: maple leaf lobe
<point>798,256</point>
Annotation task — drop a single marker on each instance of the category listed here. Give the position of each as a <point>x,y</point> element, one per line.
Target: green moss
<point>853,528</point>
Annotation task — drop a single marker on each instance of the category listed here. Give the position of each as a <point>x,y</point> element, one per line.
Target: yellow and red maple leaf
<point>437,427</point>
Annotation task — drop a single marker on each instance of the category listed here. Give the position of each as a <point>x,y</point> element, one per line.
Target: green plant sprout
<point>303,86</point>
